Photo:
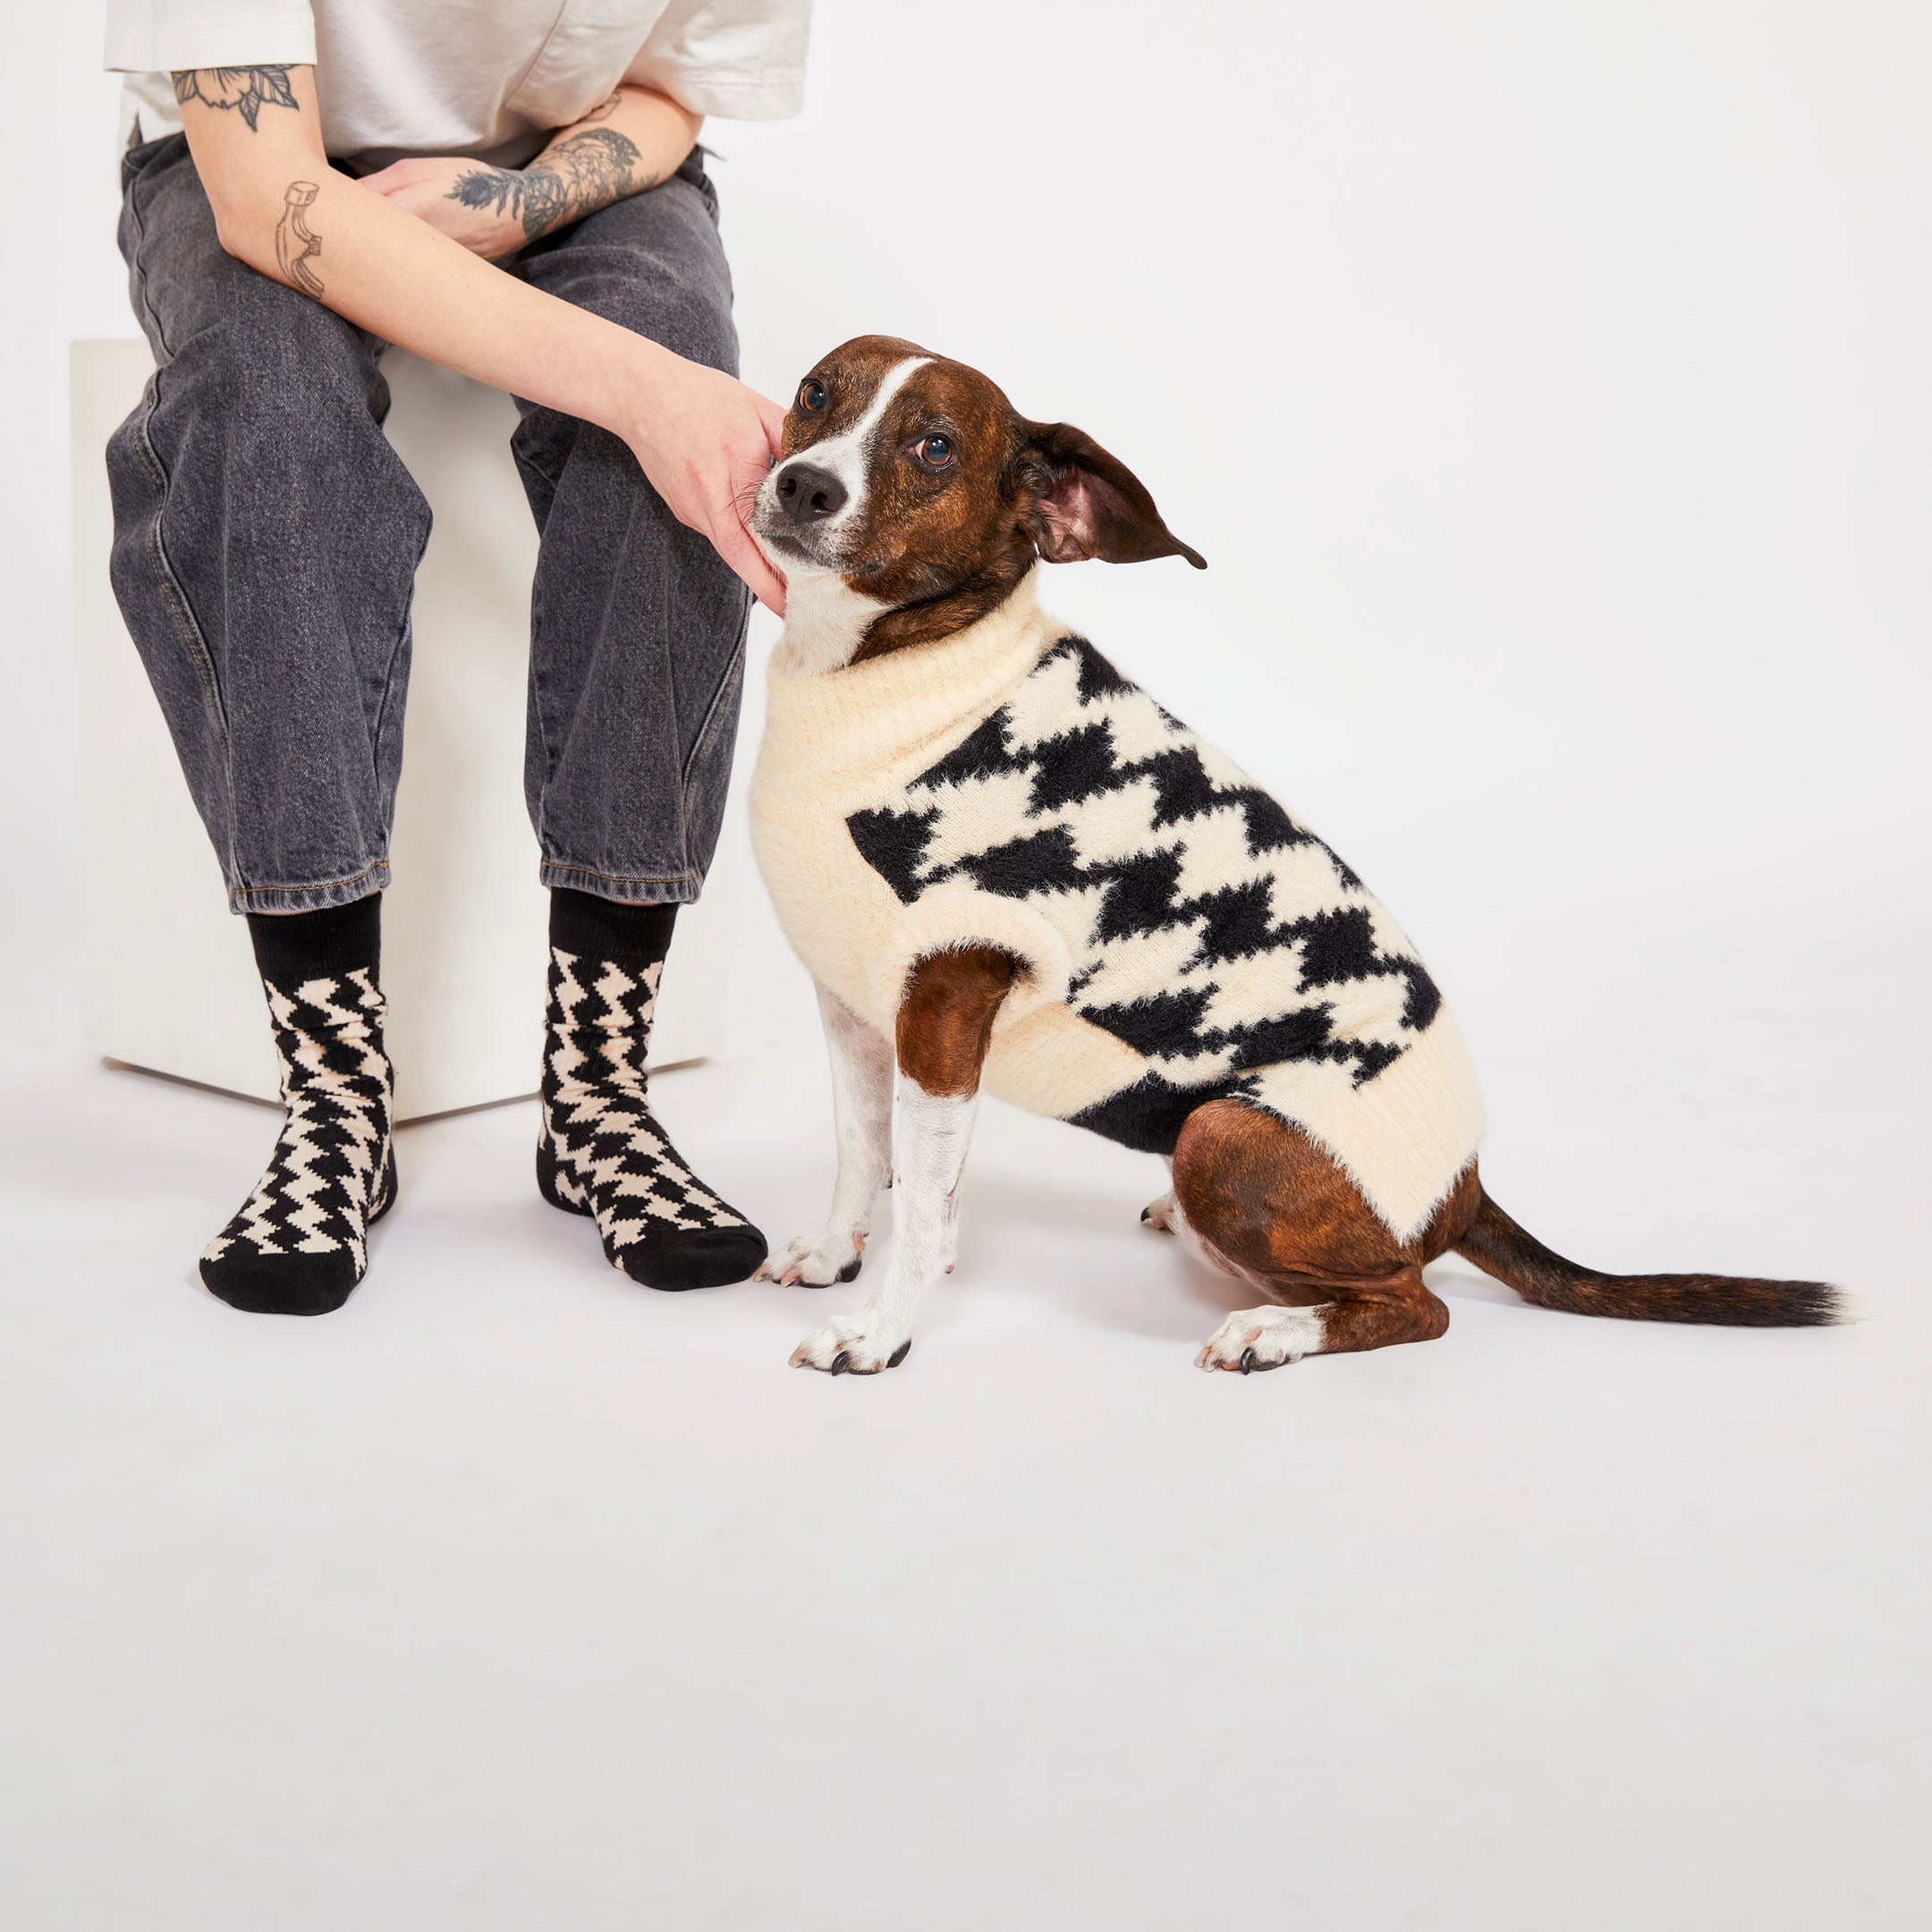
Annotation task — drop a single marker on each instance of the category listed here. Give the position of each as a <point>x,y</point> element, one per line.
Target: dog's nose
<point>809,495</point>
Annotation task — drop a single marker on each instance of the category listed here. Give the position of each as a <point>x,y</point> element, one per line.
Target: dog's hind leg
<point>945,1022</point>
<point>1264,1201</point>
<point>862,1117</point>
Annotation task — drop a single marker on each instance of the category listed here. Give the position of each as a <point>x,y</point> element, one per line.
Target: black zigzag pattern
<point>1073,768</point>
<point>603,1152</point>
<point>614,1160</point>
<point>331,1173</point>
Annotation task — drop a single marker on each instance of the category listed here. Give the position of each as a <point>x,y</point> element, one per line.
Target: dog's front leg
<point>862,1118</point>
<point>945,1020</point>
<point>930,1133</point>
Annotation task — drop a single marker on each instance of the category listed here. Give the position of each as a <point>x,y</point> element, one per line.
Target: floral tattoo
<point>575,178</point>
<point>243,90</point>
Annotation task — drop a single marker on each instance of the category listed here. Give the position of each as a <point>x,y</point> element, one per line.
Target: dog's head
<point>913,485</point>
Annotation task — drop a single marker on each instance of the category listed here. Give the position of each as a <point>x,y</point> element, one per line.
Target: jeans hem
<point>371,879</point>
<point>680,888</point>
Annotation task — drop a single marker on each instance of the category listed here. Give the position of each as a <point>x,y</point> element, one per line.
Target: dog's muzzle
<point>807,495</point>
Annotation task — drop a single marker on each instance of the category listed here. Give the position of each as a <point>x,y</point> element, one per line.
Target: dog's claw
<point>1253,1341</point>
<point>1159,1214</point>
<point>842,1348</point>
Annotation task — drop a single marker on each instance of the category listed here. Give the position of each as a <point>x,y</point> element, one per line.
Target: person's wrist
<point>507,238</point>
<point>642,374</point>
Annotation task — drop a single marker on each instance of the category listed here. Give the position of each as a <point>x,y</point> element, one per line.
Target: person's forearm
<point>629,143</point>
<point>702,438</point>
<point>386,272</point>
<point>283,211</point>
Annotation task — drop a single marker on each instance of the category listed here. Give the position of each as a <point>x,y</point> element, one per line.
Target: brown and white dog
<point>1001,859</point>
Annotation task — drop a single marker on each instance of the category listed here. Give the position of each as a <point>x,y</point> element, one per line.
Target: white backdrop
<point>1547,388</point>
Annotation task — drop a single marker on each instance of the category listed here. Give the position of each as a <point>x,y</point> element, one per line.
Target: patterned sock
<point>601,1151</point>
<point>298,1246</point>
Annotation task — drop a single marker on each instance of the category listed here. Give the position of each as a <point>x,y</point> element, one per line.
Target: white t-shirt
<point>489,78</point>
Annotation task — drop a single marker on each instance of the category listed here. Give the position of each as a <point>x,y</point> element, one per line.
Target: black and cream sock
<point>299,1245</point>
<point>602,1151</point>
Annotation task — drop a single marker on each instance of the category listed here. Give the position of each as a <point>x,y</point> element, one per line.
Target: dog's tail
<point>1499,1247</point>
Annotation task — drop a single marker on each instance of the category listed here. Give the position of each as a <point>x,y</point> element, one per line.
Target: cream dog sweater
<point>1184,938</point>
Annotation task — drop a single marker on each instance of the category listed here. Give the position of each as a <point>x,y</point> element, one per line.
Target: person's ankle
<point>590,927</point>
<point>294,946</point>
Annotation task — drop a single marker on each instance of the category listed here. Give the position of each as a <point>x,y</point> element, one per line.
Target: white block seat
<point>464,918</point>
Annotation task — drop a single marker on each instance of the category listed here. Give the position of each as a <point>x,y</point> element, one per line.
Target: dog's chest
<point>835,908</point>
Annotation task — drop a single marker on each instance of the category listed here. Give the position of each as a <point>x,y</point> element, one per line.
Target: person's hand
<point>470,201</point>
<point>706,442</point>
<point>704,439</point>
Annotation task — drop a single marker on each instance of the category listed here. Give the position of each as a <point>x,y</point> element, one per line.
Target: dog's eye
<point>936,452</point>
<point>811,394</point>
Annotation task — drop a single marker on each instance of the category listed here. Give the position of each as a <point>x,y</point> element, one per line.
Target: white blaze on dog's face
<point>912,496</point>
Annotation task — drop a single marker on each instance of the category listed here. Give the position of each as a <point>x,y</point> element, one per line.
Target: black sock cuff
<point>581,923</point>
<point>291,947</point>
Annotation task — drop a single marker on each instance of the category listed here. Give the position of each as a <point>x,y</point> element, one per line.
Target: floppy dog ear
<point>1088,504</point>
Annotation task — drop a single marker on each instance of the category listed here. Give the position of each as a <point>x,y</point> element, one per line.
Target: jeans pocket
<point>693,171</point>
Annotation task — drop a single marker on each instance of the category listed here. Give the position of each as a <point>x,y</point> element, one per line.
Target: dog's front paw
<point>818,1261</point>
<point>1160,1213</point>
<point>1262,1338</point>
<point>846,1346</point>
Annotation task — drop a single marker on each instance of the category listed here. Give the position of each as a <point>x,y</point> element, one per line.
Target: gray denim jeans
<point>266,539</point>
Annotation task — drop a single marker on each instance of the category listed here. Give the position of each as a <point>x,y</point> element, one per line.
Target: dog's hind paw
<point>844,1346</point>
<point>816,1262</point>
<point>1160,1213</point>
<point>1262,1338</point>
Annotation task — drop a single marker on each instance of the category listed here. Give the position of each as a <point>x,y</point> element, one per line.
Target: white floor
<point>514,1596</point>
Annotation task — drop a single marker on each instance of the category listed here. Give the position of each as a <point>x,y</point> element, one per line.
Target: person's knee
<point>703,324</point>
<point>264,440</point>
<point>691,318</point>
<point>660,271</point>
<point>275,361</point>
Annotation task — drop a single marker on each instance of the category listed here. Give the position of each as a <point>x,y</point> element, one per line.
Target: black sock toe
<point>282,1284</point>
<point>694,1257</point>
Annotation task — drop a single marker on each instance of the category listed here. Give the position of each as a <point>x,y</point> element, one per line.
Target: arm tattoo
<point>606,107</point>
<point>296,244</point>
<point>227,89</point>
<point>578,176</point>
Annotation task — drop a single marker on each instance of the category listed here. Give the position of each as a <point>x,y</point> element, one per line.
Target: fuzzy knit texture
<point>602,1152</point>
<point>1185,938</point>
<point>300,1243</point>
